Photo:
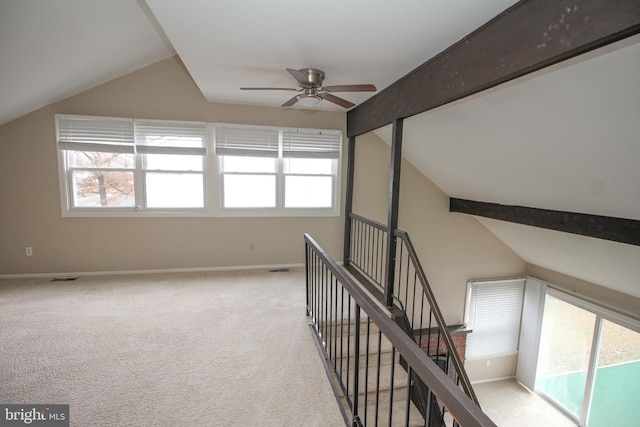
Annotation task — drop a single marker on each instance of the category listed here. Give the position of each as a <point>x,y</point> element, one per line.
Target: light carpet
<point>193,349</point>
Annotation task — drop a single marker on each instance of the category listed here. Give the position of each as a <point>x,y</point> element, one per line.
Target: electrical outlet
<point>28,251</point>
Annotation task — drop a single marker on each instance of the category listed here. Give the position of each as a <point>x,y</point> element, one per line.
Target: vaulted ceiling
<point>565,138</point>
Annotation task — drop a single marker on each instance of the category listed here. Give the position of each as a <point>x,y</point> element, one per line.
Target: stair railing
<point>411,292</point>
<point>355,332</point>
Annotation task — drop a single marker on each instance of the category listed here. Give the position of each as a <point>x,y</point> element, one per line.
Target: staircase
<point>379,373</point>
<point>383,382</point>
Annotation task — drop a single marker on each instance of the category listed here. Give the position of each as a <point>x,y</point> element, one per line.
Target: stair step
<point>400,377</point>
<point>399,409</point>
<point>348,326</point>
<point>338,334</point>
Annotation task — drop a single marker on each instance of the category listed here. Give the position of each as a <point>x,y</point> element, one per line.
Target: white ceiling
<point>51,50</point>
<point>251,42</point>
<point>564,139</point>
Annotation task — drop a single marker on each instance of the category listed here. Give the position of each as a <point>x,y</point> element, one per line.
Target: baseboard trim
<point>490,380</point>
<point>151,271</point>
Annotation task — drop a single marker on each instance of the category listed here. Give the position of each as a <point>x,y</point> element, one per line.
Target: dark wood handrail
<point>368,221</point>
<point>457,362</point>
<point>463,409</point>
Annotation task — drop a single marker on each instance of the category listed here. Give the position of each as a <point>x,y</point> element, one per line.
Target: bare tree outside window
<point>103,179</point>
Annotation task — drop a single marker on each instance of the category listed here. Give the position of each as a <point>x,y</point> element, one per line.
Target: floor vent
<point>278,270</point>
<point>63,279</point>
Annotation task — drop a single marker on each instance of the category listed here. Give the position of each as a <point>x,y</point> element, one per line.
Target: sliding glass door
<point>565,350</point>
<point>589,363</point>
<point>615,398</point>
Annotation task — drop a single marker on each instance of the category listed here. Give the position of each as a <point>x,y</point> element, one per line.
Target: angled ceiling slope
<point>51,50</point>
<point>564,138</point>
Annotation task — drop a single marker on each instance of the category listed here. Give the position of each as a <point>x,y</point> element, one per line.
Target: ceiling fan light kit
<point>309,100</point>
<point>313,92</point>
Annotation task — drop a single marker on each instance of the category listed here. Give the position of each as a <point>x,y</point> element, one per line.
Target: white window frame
<point>139,150</point>
<point>211,171</point>
<point>601,311</point>
<point>301,150</point>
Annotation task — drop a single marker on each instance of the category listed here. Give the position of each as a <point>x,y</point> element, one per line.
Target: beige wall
<point>491,369</point>
<point>453,248</point>
<point>31,213</point>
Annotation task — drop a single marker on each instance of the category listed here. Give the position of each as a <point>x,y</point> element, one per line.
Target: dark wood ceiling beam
<point>529,36</point>
<point>600,227</point>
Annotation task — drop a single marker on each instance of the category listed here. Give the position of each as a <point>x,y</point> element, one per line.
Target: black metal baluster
<point>322,304</point>
<point>348,342</point>
<point>430,331</point>
<point>378,377</point>
<point>366,371</point>
<point>358,245</point>
<point>341,332</point>
<point>408,405</point>
<point>399,265</point>
<point>421,319</point>
<point>335,322</point>
<point>391,382</point>
<point>330,318</point>
<point>413,306</point>
<point>375,268</point>
<point>356,364</point>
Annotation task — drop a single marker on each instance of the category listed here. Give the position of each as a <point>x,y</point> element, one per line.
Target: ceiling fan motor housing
<point>315,76</point>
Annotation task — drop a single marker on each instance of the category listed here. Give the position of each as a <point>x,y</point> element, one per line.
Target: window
<point>493,311</point>
<point>172,156</point>
<point>266,170</point>
<point>133,167</point>
<point>122,166</point>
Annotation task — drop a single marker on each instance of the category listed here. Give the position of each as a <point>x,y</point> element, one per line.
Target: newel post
<point>392,219</point>
<point>348,203</point>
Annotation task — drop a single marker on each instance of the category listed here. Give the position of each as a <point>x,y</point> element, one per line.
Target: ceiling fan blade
<point>351,88</point>
<point>290,102</point>
<point>339,101</point>
<point>268,88</point>
<point>299,76</point>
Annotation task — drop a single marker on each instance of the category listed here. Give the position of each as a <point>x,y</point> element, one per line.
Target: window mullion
<point>69,183</point>
<point>138,180</point>
<point>591,371</point>
<point>280,179</point>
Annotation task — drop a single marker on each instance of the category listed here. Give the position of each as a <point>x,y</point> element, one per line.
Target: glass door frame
<point>601,314</point>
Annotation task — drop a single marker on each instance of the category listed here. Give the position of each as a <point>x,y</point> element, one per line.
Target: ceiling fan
<point>312,91</point>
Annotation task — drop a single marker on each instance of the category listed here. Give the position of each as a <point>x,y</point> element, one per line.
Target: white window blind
<point>109,135</point>
<point>170,137</point>
<point>311,144</point>
<point>252,141</point>
<point>493,312</point>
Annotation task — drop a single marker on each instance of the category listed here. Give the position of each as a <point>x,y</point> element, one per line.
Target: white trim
<point>490,380</point>
<point>625,318</point>
<point>151,271</point>
<point>491,356</point>
<point>535,293</point>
